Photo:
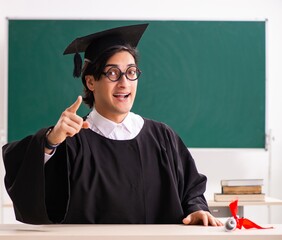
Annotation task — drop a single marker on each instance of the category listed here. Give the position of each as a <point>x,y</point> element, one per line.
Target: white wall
<point>216,164</point>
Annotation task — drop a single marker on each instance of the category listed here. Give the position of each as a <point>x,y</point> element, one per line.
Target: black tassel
<point>77,65</point>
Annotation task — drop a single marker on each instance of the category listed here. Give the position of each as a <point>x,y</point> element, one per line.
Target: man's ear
<point>90,82</point>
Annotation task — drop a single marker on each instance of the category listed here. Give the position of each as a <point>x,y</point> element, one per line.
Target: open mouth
<point>122,95</point>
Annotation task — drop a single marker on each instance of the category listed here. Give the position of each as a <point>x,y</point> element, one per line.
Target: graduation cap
<point>94,44</point>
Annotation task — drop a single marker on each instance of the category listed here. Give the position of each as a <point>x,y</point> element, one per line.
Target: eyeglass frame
<point>138,71</point>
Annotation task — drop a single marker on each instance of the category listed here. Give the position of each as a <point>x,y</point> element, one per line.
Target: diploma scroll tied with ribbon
<point>235,222</point>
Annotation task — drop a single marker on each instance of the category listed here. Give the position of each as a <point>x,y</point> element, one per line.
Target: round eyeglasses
<point>114,74</point>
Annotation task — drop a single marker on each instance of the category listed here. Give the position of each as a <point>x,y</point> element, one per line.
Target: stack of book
<point>245,190</point>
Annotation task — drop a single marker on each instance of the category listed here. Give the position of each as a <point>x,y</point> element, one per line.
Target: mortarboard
<point>94,44</point>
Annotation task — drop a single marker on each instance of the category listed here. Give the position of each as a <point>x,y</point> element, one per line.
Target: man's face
<point>114,100</point>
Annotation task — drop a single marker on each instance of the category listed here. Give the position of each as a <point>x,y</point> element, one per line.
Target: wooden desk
<point>221,209</point>
<point>132,232</point>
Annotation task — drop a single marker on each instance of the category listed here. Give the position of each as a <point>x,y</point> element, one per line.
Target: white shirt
<point>129,128</point>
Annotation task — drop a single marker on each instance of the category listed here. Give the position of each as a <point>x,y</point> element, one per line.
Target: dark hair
<point>96,68</point>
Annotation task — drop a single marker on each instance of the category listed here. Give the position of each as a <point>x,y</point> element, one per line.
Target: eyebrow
<point>116,65</point>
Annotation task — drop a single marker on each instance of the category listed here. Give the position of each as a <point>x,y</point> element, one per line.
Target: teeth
<point>121,95</point>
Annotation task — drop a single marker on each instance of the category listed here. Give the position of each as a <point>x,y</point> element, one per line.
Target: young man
<point>112,166</point>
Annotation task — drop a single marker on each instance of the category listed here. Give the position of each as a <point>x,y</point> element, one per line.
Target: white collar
<point>131,125</point>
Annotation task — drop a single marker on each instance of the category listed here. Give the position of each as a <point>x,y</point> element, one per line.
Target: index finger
<point>75,106</point>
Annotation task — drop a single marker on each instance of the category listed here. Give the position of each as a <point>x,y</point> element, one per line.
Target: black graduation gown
<point>92,179</point>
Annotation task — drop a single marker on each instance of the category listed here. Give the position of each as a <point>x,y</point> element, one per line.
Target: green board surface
<point>205,79</point>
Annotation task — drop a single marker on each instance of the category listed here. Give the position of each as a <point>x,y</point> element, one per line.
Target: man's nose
<point>123,81</point>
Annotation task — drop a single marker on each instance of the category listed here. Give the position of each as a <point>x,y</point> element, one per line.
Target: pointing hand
<point>68,124</point>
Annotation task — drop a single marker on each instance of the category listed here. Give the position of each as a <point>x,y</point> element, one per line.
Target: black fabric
<point>91,179</point>
<point>96,43</point>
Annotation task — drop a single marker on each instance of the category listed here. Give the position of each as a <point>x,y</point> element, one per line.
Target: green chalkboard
<point>206,79</point>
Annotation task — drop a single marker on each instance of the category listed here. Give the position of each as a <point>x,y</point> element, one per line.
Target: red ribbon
<point>242,222</point>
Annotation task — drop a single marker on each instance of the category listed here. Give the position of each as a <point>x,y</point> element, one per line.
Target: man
<point>112,166</point>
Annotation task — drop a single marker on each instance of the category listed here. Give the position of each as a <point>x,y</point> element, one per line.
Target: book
<point>242,182</point>
<point>257,189</point>
<point>220,197</point>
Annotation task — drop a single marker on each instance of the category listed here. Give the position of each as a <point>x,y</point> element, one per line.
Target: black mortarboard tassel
<point>77,65</point>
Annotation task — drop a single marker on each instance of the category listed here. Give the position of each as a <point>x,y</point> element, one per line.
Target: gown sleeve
<point>26,182</point>
<point>191,183</point>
